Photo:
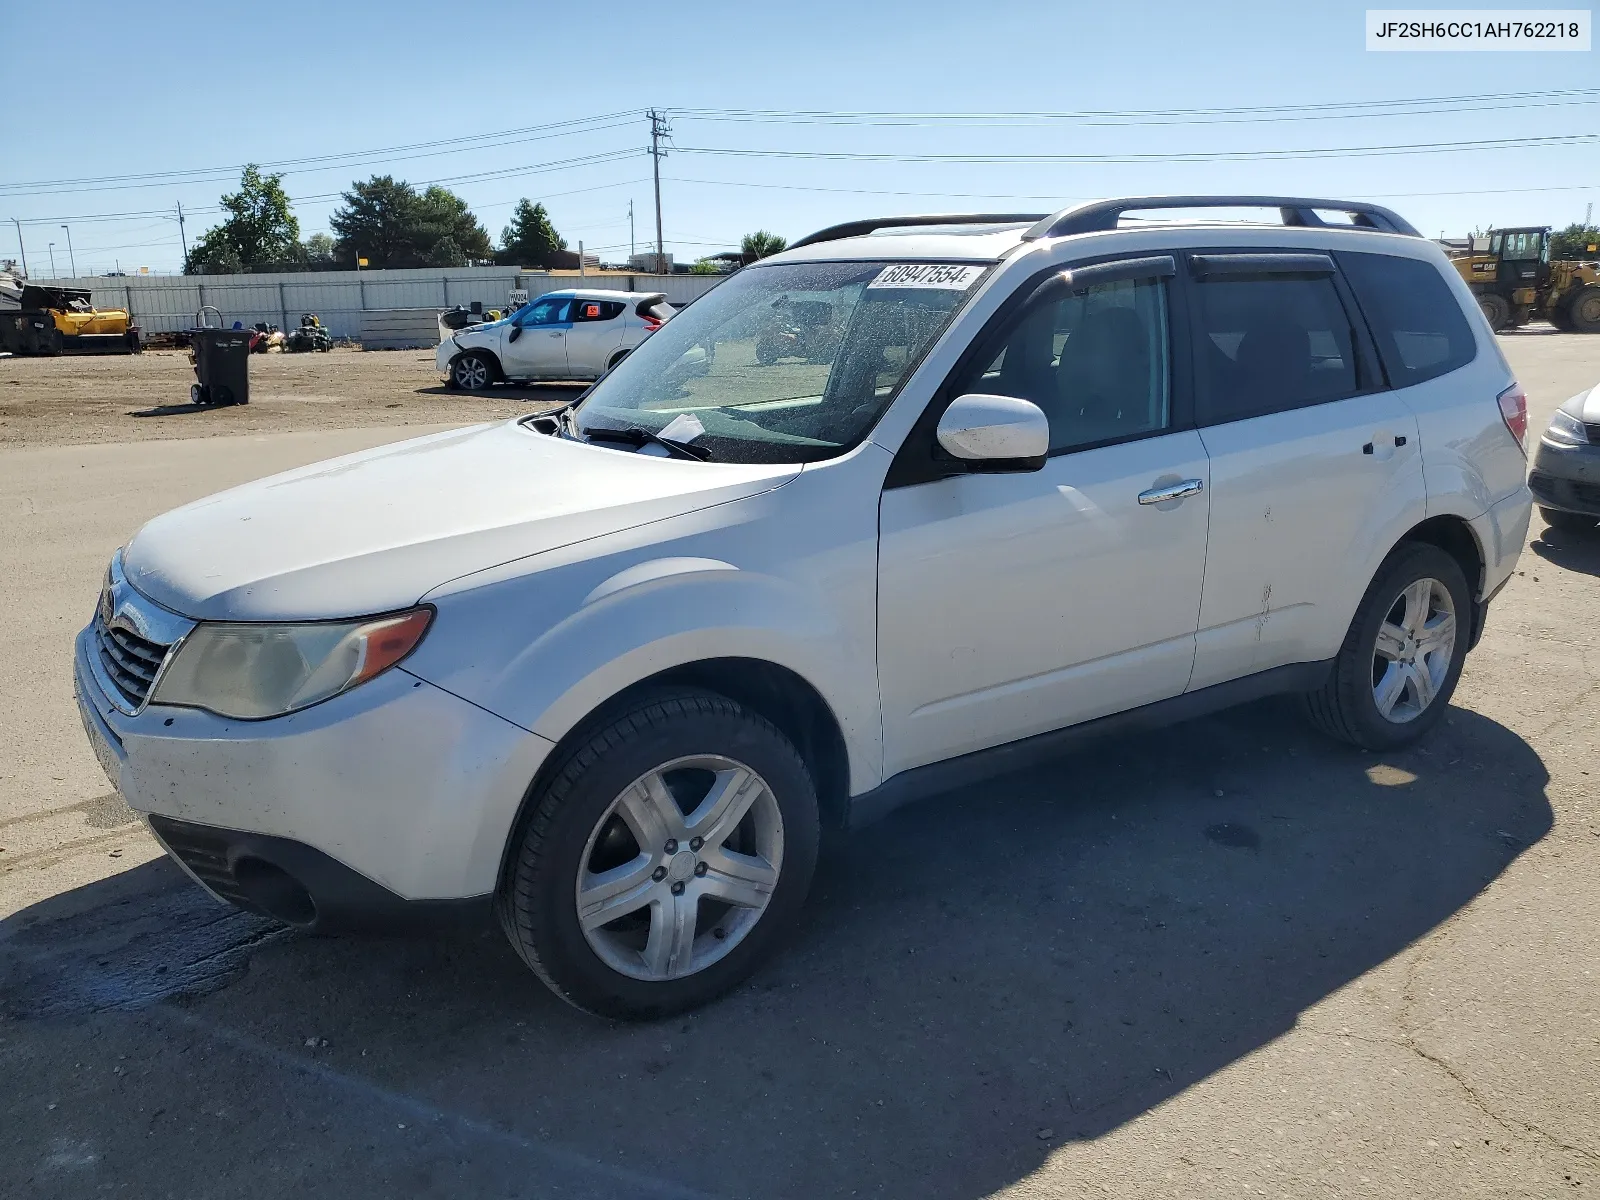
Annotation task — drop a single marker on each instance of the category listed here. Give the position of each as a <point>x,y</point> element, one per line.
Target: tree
<point>706,266</point>
<point>260,228</point>
<point>318,249</point>
<point>760,244</point>
<point>530,240</point>
<point>387,222</point>
<point>1574,241</point>
<point>452,234</point>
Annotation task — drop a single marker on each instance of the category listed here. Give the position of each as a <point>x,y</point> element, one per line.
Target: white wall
<point>166,303</point>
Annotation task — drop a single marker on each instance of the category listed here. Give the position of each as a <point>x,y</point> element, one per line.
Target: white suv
<point>571,334</point>
<point>614,669</point>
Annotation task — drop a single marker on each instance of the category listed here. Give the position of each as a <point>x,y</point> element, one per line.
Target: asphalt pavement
<point>1229,958</point>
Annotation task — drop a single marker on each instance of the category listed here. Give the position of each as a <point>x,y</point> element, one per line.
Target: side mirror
<point>514,334</point>
<point>995,433</point>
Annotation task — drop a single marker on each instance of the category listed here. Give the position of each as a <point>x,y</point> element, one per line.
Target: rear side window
<point>1268,343</point>
<point>596,310</point>
<point>1419,327</point>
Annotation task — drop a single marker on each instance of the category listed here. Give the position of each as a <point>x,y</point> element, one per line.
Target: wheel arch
<point>482,352</point>
<point>1457,538</point>
<point>772,691</point>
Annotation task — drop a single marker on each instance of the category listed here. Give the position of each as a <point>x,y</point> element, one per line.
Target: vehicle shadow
<point>980,978</point>
<point>552,393</point>
<point>1571,551</point>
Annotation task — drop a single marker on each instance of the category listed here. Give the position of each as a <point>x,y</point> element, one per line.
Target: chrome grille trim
<point>133,641</point>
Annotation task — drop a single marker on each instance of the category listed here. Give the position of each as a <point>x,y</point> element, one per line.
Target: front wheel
<point>669,851</point>
<point>1401,659</point>
<point>471,373</point>
<point>1584,310</point>
<point>1496,311</point>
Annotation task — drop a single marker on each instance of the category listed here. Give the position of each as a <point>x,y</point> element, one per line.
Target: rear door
<point>1315,465</point>
<point>595,335</point>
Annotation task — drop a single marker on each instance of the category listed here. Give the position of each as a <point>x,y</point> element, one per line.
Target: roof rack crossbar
<point>1101,215</point>
<point>857,228</point>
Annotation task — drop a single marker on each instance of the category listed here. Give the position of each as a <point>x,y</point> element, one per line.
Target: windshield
<point>788,363</point>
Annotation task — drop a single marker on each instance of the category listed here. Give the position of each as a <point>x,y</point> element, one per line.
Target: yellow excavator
<point>1515,282</point>
<point>40,319</point>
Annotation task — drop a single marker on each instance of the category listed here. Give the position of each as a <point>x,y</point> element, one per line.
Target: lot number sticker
<point>949,277</point>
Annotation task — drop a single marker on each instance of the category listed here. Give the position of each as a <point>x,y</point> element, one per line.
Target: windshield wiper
<point>637,436</point>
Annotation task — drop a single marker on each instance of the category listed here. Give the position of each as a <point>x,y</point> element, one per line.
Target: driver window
<point>1094,360</point>
<point>552,311</point>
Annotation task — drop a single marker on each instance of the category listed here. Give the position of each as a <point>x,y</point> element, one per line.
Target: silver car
<point>570,334</point>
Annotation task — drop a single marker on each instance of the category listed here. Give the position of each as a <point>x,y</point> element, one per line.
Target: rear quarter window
<point>1416,321</point>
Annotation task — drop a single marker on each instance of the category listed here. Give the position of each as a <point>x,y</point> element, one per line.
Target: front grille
<point>205,852</point>
<point>130,661</point>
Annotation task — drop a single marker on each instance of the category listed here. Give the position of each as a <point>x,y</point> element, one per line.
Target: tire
<point>1561,318</point>
<point>1568,522</point>
<point>472,373</point>
<point>1584,309</point>
<point>1346,706</point>
<point>1496,311</point>
<point>574,828</point>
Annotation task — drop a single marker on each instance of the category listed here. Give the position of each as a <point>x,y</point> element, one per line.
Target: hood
<point>375,531</point>
<point>1585,406</point>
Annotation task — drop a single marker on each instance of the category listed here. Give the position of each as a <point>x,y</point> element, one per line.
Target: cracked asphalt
<point>1225,959</point>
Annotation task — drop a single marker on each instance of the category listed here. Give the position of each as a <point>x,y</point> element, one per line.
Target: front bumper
<point>1567,478</point>
<point>406,786</point>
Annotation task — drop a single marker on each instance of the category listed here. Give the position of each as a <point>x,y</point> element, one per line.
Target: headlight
<point>252,671</point>
<point>1567,430</point>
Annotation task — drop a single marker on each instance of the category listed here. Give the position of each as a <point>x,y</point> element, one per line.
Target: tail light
<point>651,324</point>
<point>1514,408</point>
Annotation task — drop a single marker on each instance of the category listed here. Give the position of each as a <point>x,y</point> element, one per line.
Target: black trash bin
<point>221,363</point>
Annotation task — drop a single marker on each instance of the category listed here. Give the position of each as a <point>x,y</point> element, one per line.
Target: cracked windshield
<point>790,363</point>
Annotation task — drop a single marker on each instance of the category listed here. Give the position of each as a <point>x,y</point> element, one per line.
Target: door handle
<point>1173,491</point>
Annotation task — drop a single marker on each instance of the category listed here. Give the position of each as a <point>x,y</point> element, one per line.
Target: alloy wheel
<point>1414,648</point>
<point>472,373</point>
<point>680,867</point>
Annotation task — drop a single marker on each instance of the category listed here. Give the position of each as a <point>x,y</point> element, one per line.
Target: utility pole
<point>658,130</point>
<point>71,258</point>
<point>630,234</point>
<point>52,249</point>
<point>24,249</point>
<point>1588,219</point>
<point>581,270</point>
<point>181,238</point>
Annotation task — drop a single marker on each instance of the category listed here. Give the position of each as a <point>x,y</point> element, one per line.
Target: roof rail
<point>1101,215</point>
<point>856,228</point>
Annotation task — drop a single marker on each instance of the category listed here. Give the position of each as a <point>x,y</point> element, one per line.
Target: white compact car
<point>574,334</point>
<point>1012,481</point>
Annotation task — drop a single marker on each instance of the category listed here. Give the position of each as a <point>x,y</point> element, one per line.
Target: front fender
<point>547,647</point>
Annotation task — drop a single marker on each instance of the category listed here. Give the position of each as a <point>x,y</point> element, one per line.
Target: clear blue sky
<point>176,87</point>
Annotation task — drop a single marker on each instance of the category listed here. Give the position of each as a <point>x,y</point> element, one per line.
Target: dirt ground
<point>126,398</point>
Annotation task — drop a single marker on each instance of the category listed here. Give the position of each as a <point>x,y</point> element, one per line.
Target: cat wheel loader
<point>1515,282</point>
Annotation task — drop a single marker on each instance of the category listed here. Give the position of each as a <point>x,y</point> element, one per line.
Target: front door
<point>539,350</point>
<point>1313,463</point>
<point>1013,604</point>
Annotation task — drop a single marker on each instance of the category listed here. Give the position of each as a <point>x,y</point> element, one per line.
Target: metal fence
<point>167,303</point>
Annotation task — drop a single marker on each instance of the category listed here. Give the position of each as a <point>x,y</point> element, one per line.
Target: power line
<point>1178,156</point>
<point>293,165</point>
<point>1333,110</point>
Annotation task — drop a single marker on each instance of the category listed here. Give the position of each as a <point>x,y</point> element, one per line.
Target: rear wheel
<point>1395,673</point>
<point>472,373</point>
<point>1585,310</point>
<point>1496,311</point>
<point>1568,522</point>
<point>669,851</point>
